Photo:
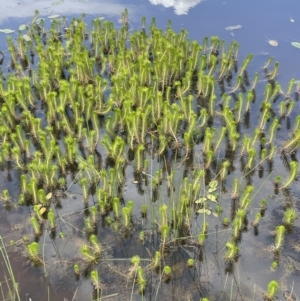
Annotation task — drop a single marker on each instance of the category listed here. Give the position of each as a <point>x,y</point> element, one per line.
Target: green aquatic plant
<point>76,268</point>
<point>232,252</point>
<point>116,207</point>
<point>111,99</point>
<point>167,272</point>
<point>289,216</point>
<point>272,289</point>
<point>126,216</point>
<point>51,219</point>
<point>33,250</point>
<point>191,262</point>
<point>293,174</point>
<point>142,281</point>
<point>95,279</point>
<point>263,205</point>
<point>88,255</point>
<point>226,221</point>
<point>291,145</point>
<point>279,238</point>
<point>13,292</point>
<point>5,196</point>
<point>156,259</point>
<point>144,210</point>
<point>274,265</point>
<point>35,225</point>
<point>95,244</point>
<point>89,226</point>
<point>256,221</point>
<point>94,214</point>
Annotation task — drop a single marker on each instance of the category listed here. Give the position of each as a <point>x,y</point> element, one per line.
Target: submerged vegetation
<point>176,113</point>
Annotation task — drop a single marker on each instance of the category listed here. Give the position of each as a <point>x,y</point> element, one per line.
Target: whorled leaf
<point>201,200</point>
<point>26,37</point>
<point>49,196</point>
<point>212,197</point>
<point>206,211</point>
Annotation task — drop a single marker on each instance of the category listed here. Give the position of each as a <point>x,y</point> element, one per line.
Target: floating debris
<point>233,27</point>
<point>7,30</point>
<point>296,44</point>
<point>53,16</point>
<point>273,43</point>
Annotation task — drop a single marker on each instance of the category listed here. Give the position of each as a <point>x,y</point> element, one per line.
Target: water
<point>260,21</point>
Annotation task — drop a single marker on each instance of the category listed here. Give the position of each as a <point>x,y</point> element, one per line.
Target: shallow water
<point>260,21</point>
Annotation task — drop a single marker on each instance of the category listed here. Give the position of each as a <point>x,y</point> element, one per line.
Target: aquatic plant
<point>289,216</point>
<point>156,259</point>
<point>14,291</point>
<point>95,279</point>
<point>191,262</point>
<point>135,98</point>
<point>255,223</point>
<point>293,174</point>
<point>88,255</point>
<point>95,244</point>
<point>272,289</point>
<point>33,251</point>
<point>51,219</point>
<point>263,205</point>
<point>279,238</point>
<point>141,279</point>
<point>76,268</point>
<point>232,251</point>
<point>35,226</point>
<point>5,196</point>
<point>274,265</point>
<point>167,271</point>
<point>226,221</point>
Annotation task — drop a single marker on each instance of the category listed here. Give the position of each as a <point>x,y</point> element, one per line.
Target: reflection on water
<point>25,9</point>
<point>252,38</point>
<point>181,7</point>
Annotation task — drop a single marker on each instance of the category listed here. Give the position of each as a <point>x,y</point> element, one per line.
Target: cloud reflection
<point>25,9</point>
<point>181,7</point>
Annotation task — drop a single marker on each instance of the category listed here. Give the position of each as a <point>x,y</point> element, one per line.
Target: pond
<point>149,159</point>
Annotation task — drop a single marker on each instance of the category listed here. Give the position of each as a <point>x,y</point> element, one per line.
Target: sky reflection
<point>180,7</point>
<point>25,9</point>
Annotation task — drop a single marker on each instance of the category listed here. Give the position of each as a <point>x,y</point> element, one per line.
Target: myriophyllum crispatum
<point>51,219</point>
<point>167,272</point>
<point>271,292</point>
<point>88,255</point>
<point>257,218</point>
<point>232,251</point>
<point>289,216</point>
<point>33,251</point>
<point>279,238</point>
<point>293,174</point>
<point>95,279</point>
<point>141,279</point>
<point>35,226</point>
<point>95,244</point>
